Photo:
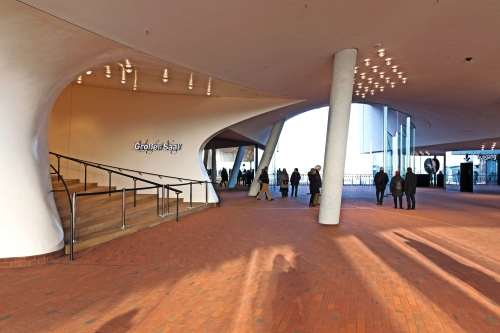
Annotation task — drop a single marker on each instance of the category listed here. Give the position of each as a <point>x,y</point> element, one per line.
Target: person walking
<point>240,177</point>
<point>314,184</point>
<point>381,179</point>
<point>224,177</point>
<point>396,188</point>
<point>295,181</point>
<point>410,188</point>
<point>284,180</point>
<point>264,180</point>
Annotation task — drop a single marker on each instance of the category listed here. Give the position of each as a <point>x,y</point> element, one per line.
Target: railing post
<point>58,168</point>
<point>85,181</point>
<point>190,195</point>
<point>162,201</point>
<point>109,188</point>
<point>177,210</point>
<point>157,200</point>
<point>72,228</point>
<point>206,192</point>
<point>168,201</point>
<point>135,192</point>
<point>124,226</point>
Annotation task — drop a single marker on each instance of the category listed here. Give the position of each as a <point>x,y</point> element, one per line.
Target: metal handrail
<point>98,166</point>
<point>59,177</point>
<point>131,170</point>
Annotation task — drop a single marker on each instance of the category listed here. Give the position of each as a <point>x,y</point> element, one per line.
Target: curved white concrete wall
<point>39,56</point>
<point>102,125</point>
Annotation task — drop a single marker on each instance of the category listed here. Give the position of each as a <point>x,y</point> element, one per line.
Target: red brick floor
<point>259,266</point>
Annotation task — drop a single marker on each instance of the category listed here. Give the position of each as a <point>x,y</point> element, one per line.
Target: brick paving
<point>259,266</point>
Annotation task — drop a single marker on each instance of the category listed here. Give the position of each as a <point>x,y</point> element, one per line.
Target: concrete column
<point>268,154</point>
<point>236,167</point>
<point>214,166</point>
<point>336,137</point>
<point>256,156</point>
<point>205,158</point>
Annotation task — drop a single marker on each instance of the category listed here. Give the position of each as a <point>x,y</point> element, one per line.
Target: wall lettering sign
<point>487,157</point>
<point>149,148</point>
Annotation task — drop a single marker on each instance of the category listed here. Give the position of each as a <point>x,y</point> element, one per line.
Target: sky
<point>302,143</point>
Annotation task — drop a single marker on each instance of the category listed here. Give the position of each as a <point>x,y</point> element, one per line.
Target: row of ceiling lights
<point>127,68</point>
<point>493,145</point>
<point>363,90</point>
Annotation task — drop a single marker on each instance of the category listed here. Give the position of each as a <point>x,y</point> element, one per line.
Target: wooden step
<point>62,201</point>
<point>111,220</point>
<point>136,224</point>
<point>73,188</point>
<point>107,208</point>
<point>60,185</point>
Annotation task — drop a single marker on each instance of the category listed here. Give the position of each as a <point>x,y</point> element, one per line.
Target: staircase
<point>99,217</point>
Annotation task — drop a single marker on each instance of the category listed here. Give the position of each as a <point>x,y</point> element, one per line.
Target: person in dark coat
<point>320,184</point>
<point>224,177</point>
<point>381,179</point>
<point>284,180</point>
<point>264,180</point>
<point>396,188</point>
<point>295,181</point>
<point>314,184</point>
<point>410,188</point>
<point>240,177</point>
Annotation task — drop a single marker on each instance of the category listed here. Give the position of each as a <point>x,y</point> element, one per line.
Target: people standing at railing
<point>410,188</point>
<point>240,177</point>
<point>295,181</point>
<point>396,188</point>
<point>314,185</point>
<point>224,177</point>
<point>264,181</point>
<point>284,180</point>
<point>381,179</point>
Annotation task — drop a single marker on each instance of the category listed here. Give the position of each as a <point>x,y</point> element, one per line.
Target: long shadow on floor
<point>119,323</point>
<point>478,280</point>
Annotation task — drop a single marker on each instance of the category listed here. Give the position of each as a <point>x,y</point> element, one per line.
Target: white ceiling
<point>285,48</point>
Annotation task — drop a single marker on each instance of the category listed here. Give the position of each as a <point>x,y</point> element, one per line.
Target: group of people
<point>398,187</point>
<point>285,180</point>
<point>245,177</point>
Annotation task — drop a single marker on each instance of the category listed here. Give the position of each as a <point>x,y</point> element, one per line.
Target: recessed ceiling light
<point>209,89</point>
<point>128,66</point>
<point>376,84</point>
<point>367,62</point>
<point>394,69</point>
<point>357,92</point>
<point>165,75</point>
<point>375,69</point>
<point>366,89</point>
<point>363,95</point>
<point>79,80</point>
<point>190,85</point>
<point>381,53</point>
<point>108,71</point>
<point>400,75</point>
<point>355,70</point>
<point>370,80</point>
<point>372,92</point>
<point>387,79</point>
<point>393,84</point>
<point>404,79</point>
<point>381,88</point>
<point>381,75</point>
<point>88,72</point>
<point>363,75</point>
<point>388,61</point>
